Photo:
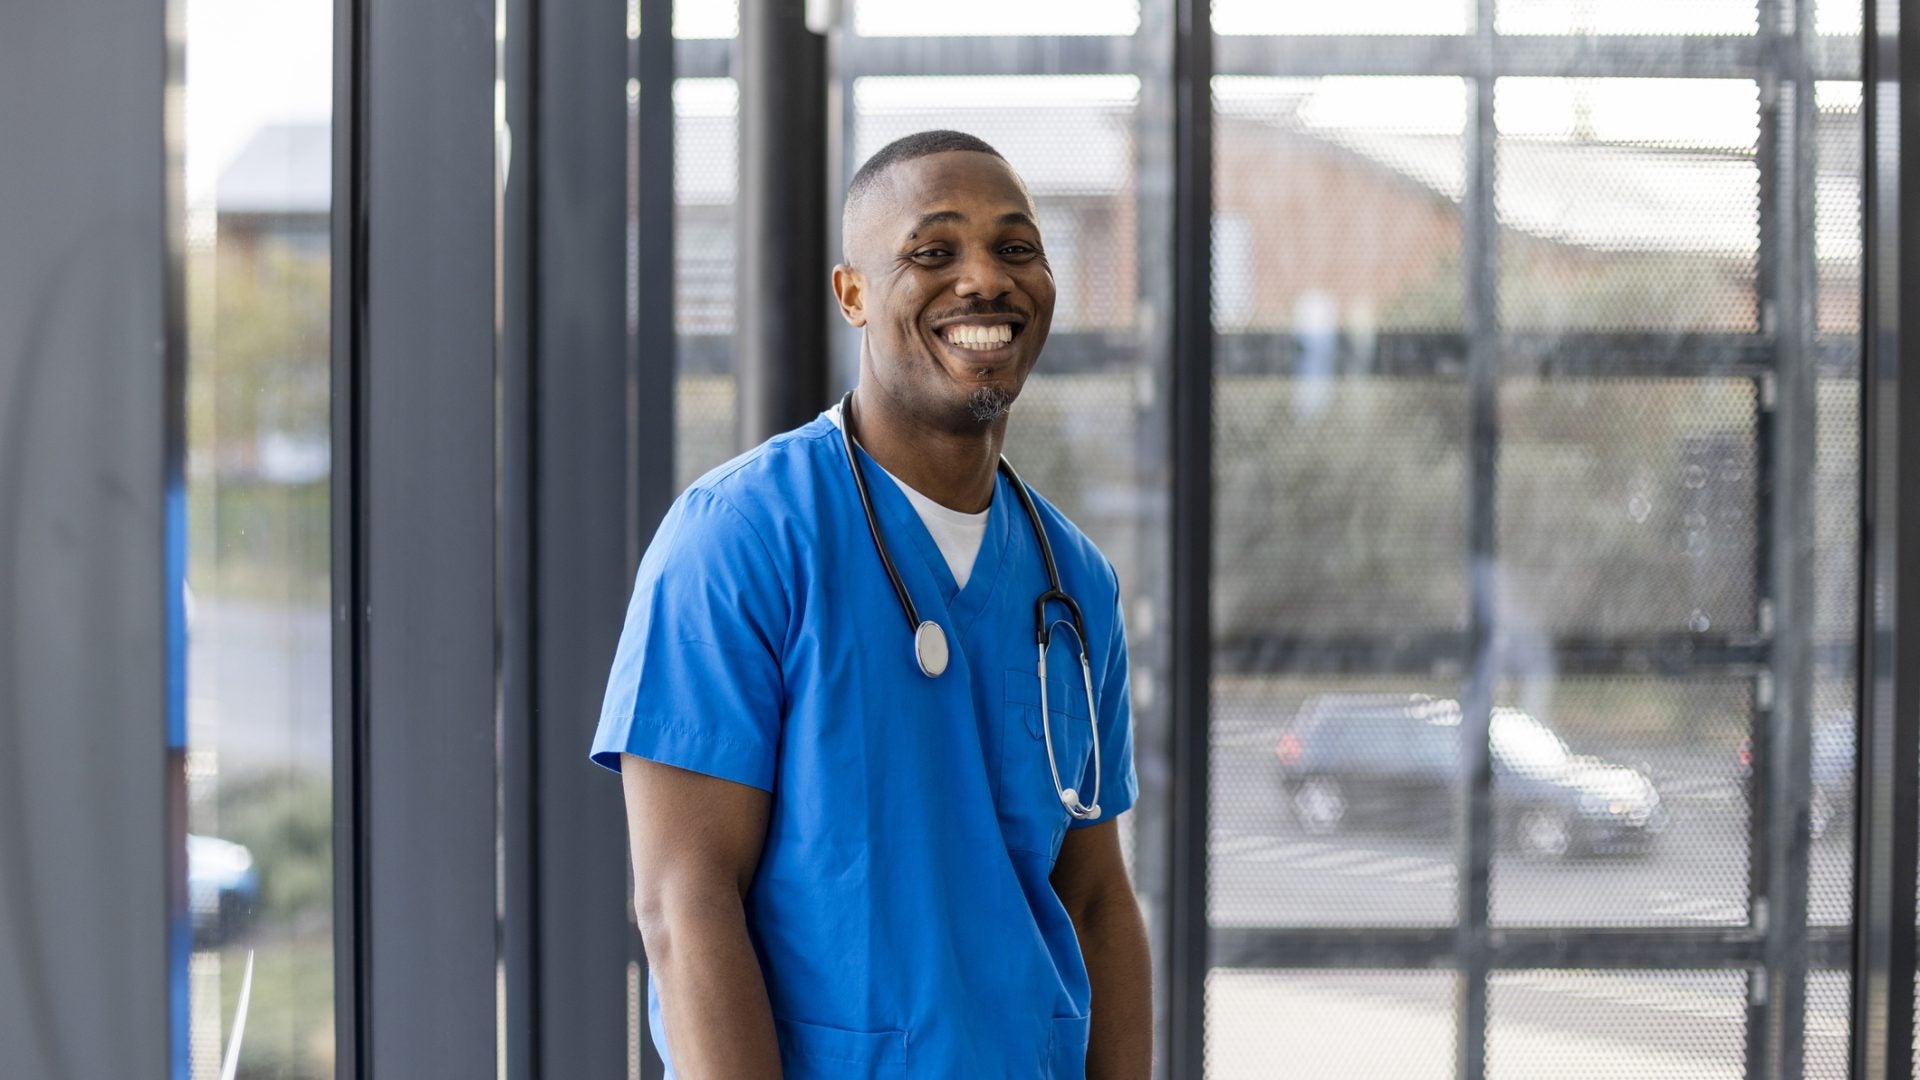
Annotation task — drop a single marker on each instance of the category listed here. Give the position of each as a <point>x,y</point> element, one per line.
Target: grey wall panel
<point>87,384</point>
<point>426,520</point>
<point>580,528</point>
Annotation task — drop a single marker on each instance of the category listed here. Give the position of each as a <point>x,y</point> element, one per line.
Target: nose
<point>982,276</point>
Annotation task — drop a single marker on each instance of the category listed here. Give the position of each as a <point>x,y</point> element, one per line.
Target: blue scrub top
<point>901,911</point>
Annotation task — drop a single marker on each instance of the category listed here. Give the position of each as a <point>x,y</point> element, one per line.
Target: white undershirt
<point>958,535</point>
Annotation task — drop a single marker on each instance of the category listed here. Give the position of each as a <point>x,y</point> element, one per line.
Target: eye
<point>1019,249</point>
<point>935,252</point>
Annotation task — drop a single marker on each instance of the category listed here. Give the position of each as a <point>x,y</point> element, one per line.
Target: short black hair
<point>908,147</point>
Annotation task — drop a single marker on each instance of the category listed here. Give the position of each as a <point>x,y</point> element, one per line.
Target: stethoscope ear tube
<point>914,622</point>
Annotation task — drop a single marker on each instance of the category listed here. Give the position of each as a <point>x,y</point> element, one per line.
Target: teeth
<point>979,337</point>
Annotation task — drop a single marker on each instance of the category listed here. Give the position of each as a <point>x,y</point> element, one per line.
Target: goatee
<point>989,403</point>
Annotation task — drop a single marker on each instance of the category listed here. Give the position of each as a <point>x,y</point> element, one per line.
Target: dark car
<point>1393,762</point>
<point>1832,768</point>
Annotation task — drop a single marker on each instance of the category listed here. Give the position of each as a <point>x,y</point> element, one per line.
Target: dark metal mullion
<point>1762,732</point>
<point>1148,642</point>
<point>844,340</point>
<point>1682,56</point>
<point>781,300</point>
<point>1480,251</point>
<point>1614,948</point>
<point>1782,712</point>
<point>577,447</point>
<point>1433,652</point>
<point>425,408</point>
<point>652,365</point>
<point>1888,689</point>
<point>347,537</point>
<point>1418,354</point>
<point>1190,410</point>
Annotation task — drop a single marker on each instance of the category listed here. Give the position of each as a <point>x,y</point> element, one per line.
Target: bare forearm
<point>1113,939</point>
<point>713,998</point>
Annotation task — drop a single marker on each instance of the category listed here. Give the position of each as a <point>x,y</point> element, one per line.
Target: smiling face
<point>947,276</point>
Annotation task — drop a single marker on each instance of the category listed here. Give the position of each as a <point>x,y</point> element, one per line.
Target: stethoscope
<point>930,642</point>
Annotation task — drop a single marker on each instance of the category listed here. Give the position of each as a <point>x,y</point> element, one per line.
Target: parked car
<point>1393,762</point>
<point>1832,767</point>
<point>223,888</point>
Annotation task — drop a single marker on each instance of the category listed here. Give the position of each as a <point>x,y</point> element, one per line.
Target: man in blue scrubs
<point>848,867</point>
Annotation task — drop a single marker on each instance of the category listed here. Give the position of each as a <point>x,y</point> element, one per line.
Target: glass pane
<point>259,681</point>
<point>1620,801</point>
<point>1836,496</point>
<point>1628,204</point>
<point>1837,210</point>
<point>1334,803</point>
<point>1060,18</point>
<point>1340,506</point>
<point>1306,17</point>
<point>705,175</point>
<point>1627,505</point>
<point>1330,1025</point>
<point>1829,1022</point>
<point>1385,255</point>
<point>1626,17</point>
<point>1629,1025</point>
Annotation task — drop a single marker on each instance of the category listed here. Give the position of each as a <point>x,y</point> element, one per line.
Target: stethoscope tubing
<point>1043,628</point>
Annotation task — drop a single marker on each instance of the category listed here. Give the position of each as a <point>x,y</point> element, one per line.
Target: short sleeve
<point>1119,786</point>
<point>696,677</point>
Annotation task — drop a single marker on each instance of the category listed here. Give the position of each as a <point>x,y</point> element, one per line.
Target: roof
<point>1073,136</point>
<point>282,169</point>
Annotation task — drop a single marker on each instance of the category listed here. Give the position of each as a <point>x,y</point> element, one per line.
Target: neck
<point>954,469</point>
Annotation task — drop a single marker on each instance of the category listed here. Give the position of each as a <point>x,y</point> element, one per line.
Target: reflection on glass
<point>1628,474</point>
<point>1628,204</point>
<point>259,860</point>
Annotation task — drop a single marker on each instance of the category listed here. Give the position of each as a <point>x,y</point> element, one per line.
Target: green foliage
<point>258,326</point>
<point>289,1032</point>
<point>284,818</point>
<point>253,540</point>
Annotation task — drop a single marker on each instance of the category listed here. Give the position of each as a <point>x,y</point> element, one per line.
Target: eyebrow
<point>943,217</point>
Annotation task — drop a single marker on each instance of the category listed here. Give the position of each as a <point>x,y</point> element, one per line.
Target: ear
<point>849,287</point>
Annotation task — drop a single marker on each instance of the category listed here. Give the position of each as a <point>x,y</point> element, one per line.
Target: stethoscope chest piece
<point>930,648</point>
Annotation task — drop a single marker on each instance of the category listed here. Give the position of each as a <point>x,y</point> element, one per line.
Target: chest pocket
<point>1031,816</point>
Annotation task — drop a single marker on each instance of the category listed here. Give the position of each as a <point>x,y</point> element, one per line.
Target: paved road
<point>1594,1026</point>
<point>260,685</point>
<point>1267,871</point>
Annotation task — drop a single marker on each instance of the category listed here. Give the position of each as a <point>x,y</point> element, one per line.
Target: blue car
<point>223,889</point>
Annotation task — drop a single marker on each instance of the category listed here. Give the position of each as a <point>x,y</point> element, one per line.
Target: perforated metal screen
<point>1559,358</point>
<point>1566,361</point>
